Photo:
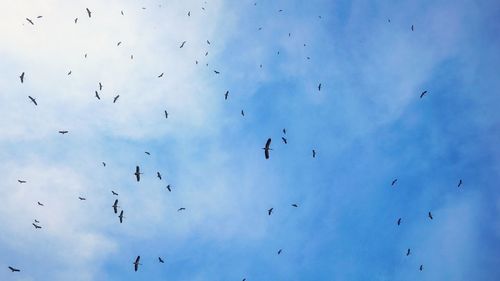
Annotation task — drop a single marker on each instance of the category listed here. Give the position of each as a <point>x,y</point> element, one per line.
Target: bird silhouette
<point>421,267</point>
<point>100,86</point>
<point>284,140</point>
<point>284,131</point>
<point>36,226</point>
<point>226,95</point>
<point>63,132</point>
<point>161,75</point>
<point>119,43</point>
<point>394,181</point>
<point>114,193</point>
<point>116,98</point>
<point>160,260</point>
<point>22,77</point>
<point>121,216</point>
<point>399,221</point>
<point>166,114</point>
<point>21,181</point>
<point>279,251</point>
<point>136,263</point>
<point>88,12</point>
<point>208,42</point>
<point>30,21</point>
<point>295,205</point>
<point>168,187</point>
<point>115,206</point>
<point>189,13</point>
<point>82,198</point>
<point>319,87</point>
<point>412,28</point>
<point>430,215</point>
<point>104,164</point>
<point>33,100</point>
<point>97,95</point>
<point>242,113</point>
<point>76,20</point>
<point>40,204</point>
<point>408,252</point>
<point>14,269</point>
<point>37,221</point>
<point>122,13</point>
<point>423,94</point>
<point>182,45</point>
<point>69,73</point>
<point>314,153</point>
<point>137,173</point>
<point>267,148</point>
<point>158,175</point>
<point>181,209</point>
<point>459,183</point>
<point>216,72</point>
<point>270,211</point>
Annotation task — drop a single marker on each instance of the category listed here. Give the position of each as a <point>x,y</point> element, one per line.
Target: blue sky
<point>367,125</point>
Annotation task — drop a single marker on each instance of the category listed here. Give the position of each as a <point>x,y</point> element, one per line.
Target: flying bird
<point>22,77</point>
<point>158,175</point>
<point>314,153</point>
<point>168,187</point>
<point>242,113</point>
<point>267,148</point>
<point>284,140</point>
<point>421,267</point>
<point>270,211</point>
<point>82,198</point>
<point>69,73</point>
<point>119,43</point>
<point>100,86</point>
<point>216,72</point>
<point>33,100</point>
<point>76,19</point>
<point>37,221</point>
<point>295,205</point>
<point>160,260</point>
<point>136,263</point>
<point>182,45</point>
<point>14,269</point>
<point>189,13</point>
<point>30,21</point>
<point>399,221</point>
<point>114,193</point>
<point>97,95</point>
<point>104,164</point>
<point>166,114</point>
<point>459,183</point>
<point>147,152</point>
<point>208,42</point>
<point>137,173</point>
<point>116,98</point>
<point>422,94</point>
<point>39,204</point>
<point>21,181</point>
<point>319,87</point>
<point>284,131</point>
<point>115,206</point>
<point>430,215</point>
<point>412,27</point>
<point>121,216</point>
<point>181,209</point>
<point>63,132</point>
<point>408,252</point>
<point>226,95</point>
<point>279,251</point>
<point>394,181</point>
<point>88,12</point>
<point>36,226</point>
<point>121,13</point>
<point>161,75</point>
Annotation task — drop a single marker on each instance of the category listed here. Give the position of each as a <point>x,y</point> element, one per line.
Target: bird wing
<point>268,143</point>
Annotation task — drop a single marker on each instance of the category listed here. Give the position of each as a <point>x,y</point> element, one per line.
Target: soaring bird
<point>430,215</point>
<point>147,152</point>
<point>30,21</point>
<point>270,211</point>
<point>168,187</point>
<point>36,226</point>
<point>37,221</point>
<point>208,42</point>
<point>22,77</point>
<point>421,267</point>
<point>158,175</point>
<point>166,114</point>
<point>69,73</point>
<point>21,181</point>
<point>181,209</point>
<point>115,206</point>
<point>226,94</point>
<point>399,221</point>
<point>161,75</point>
<point>119,43</point>
<point>116,98</point>
<point>100,86</point>
<point>284,140</point>
<point>88,12</point>
<point>14,269</point>
<point>314,153</point>
<point>114,193</point>
<point>408,252</point>
<point>104,164</point>
<point>76,20</point>
<point>284,131</point>
<point>121,216</point>
<point>82,198</point>
<point>216,72</point>
<point>63,132</point>
<point>137,173</point>
<point>267,148</point>
<point>242,113</point>
<point>182,45</point>
<point>279,251</point>
<point>394,181</point>
<point>39,204</point>
<point>295,205</point>
<point>97,95</point>
<point>319,87</point>
<point>412,27</point>
<point>422,94</point>
<point>459,183</point>
<point>189,13</point>
<point>160,260</point>
<point>122,13</point>
<point>136,263</point>
<point>33,100</point>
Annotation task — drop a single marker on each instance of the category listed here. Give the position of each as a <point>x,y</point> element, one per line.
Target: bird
<point>39,204</point>
<point>116,98</point>
<point>182,45</point>
<point>30,21</point>
<point>166,114</point>
<point>412,27</point>
<point>270,211</point>
<point>295,205</point>
<point>208,42</point>
<point>242,113</point>
<point>161,75</point>
<point>136,263</point>
<point>226,95</point>
<point>119,43</point>
<point>284,131</point>
<point>97,95</point>
<point>421,267</point>
<point>168,187</point>
<point>69,73</point>
<point>216,72</point>
<point>82,198</point>
<point>33,100</point>
<point>160,260</point>
<point>85,55</point>
<point>14,269</point>
<point>284,140</point>
<point>319,87</point>
<point>63,132</point>
<point>104,164</point>
<point>181,209</point>
<point>147,153</point>
<point>88,12</point>
<point>408,252</point>
<point>114,193</point>
<point>22,77</point>
<point>279,251</point>
<point>21,181</point>
<point>189,13</point>
<point>37,221</point>
<point>314,153</point>
<point>121,216</point>
<point>122,13</point>
<point>267,148</point>
<point>430,215</point>
<point>158,175</point>
<point>76,19</point>
<point>115,206</point>
<point>36,226</point>
<point>459,183</point>
<point>422,94</point>
<point>137,173</point>
<point>399,221</point>
<point>100,86</point>
<point>394,181</point>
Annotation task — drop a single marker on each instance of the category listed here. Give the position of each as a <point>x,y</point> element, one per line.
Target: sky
<point>368,126</point>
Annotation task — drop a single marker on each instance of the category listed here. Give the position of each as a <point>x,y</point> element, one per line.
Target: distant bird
<point>21,181</point>
<point>85,55</point>
<point>242,113</point>
<point>408,252</point>
<point>430,215</point>
<point>459,183</point>
<point>14,269</point>
<point>389,20</point>
<point>314,153</point>
<point>422,94</point>
<point>267,148</point>
<point>88,12</point>
<point>399,221</point>
<point>122,13</point>
<point>158,175</point>
<point>226,95</point>
<point>270,211</point>
<point>116,98</point>
<point>121,216</point>
<point>421,267</point>
<point>182,45</point>
<point>394,181</point>
<point>181,209</point>
<point>69,73</point>
<point>284,131</point>
<point>30,21</point>
<point>412,27</point>
<point>76,19</point>
<point>147,152</point>
<point>115,206</point>
<point>136,263</point>
<point>37,221</point>
<point>319,87</point>
<point>63,132</point>
<point>137,173</point>
<point>33,100</point>
<point>168,187</point>
<point>160,260</point>
<point>104,164</point>
<point>119,43</point>
<point>208,42</point>
<point>36,226</point>
<point>22,77</point>
<point>114,193</point>
<point>40,204</point>
<point>161,75</point>
<point>279,251</point>
<point>295,205</point>
<point>284,140</point>
<point>189,13</point>
<point>82,198</point>
<point>97,95</point>
<point>100,86</point>
<point>216,72</point>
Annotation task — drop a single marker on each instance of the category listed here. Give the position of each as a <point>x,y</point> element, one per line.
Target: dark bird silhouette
<point>76,20</point>
<point>69,73</point>
<point>36,226</point>
<point>114,193</point>
<point>39,204</point>
<point>115,206</point>
<point>399,221</point>
<point>116,98</point>
<point>284,140</point>
<point>267,148</point>
<point>88,12</point>
<point>422,94</point>
<point>168,187</point>
<point>430,215</point>
<point>216,72</point>
<point>421,267</point>
<point>314,153</point>
<point>63,132</point>
<point>161,75</point>
<point>97,95</point>
<point>459,183</point>
<point>181,209</point>
<point>122,13</point>
<point>319,87</point>
<point>160,260</point>
<point>208,42</point>
<point>30,21</point>
<point>295,205</point>
<point>137,173</point>
<point>14,269</point>
<point>85,56</point>
<point>136,263</point>
<point>394,181</point>
<point>119,43</point>
<point>182,45</point>
<point>22,77</point>
<point>100,86</point>
<point>166,114</point>
<point>206,54</point>
<point>226,95</point>
<point>412,27</point>
<point>21,181</point>
<point>279,251</point>
<point>121,216</point>
<point>37,221</point>
<point>284,131</point>
<point>39,17</point>
<point>82,198</point>
<point>408,252</point>
<point>104,164</point>
<point>189,13</point>
<point>33,100</point>
<point>242,113</point>
<point>158,175</point>
<point>147,152</point>
<point>270,211</point>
